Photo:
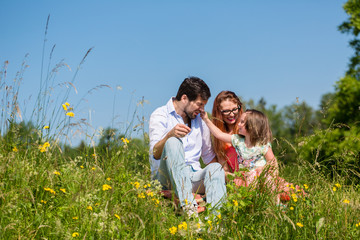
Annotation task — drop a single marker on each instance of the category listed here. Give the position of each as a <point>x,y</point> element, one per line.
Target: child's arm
<point>225,137</point>
<point>271,160</point>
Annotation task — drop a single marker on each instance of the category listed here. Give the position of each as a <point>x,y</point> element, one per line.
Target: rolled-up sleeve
<point>157,128</point>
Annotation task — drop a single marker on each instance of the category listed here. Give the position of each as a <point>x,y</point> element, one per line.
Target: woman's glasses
<point>234,111</point>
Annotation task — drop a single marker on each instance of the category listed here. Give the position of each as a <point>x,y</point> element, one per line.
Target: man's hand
<point>179,131</point>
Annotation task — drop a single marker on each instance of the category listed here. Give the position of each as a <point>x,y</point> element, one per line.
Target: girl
<point>254,152</point>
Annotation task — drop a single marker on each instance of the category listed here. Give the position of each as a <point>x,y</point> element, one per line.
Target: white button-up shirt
<point>196,144</point>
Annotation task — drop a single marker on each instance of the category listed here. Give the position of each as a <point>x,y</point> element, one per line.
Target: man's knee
<point>173,142</point>
<point>215,170</point>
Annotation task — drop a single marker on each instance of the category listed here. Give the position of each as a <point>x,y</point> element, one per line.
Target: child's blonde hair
<point>257,125</point>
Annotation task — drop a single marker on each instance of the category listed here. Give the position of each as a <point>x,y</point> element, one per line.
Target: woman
<point>226,114</point>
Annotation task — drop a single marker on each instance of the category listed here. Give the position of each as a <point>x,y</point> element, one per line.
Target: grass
<point>47,195</point>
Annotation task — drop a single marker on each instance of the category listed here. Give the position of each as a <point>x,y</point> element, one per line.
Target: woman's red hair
<point>218,120</point>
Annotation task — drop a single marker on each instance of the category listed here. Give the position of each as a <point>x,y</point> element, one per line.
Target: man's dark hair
<point>193,87</point>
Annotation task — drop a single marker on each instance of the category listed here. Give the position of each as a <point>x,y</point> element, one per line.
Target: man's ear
<point>184,98</point>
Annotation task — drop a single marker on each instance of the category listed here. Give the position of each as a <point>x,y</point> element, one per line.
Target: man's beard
<point>190,115</point>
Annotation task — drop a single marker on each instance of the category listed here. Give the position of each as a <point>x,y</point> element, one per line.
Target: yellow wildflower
<point>70,114</point>
<point>299,225</point>
<point>106,187</point>
<point>209,222</point>
<point>306,186</point>
<point>183,225</point>
<point>235,203</point>
<point>219,216</point>
<point>75,218</point>
<point>50,190</point>
<point>198,225</point>
<point>173,230</point>
<point>334,189</point>
<point>46,127</point>
<point>56,173</point>
<point>81,166</point>
<point>150,194</point>
<point>117,216</point>
<point>108,179</point>
<point>338,185</point>
<point>93,168</point>
<point>42,201</point>
<point>136,185</point>
<point>186,201</point>
<point>63,190</point>
<point>292,187</point>
<point>94,155</point>
<point>141,195</point>
<point>156,201</point>
<point>346,201</point>
<point>75,234</point>
<point>46,145</point>
<point>291,208</point>
<point>64,107</point>
<point>97,204</point>
<point>67,104</point>
<point>89,208</point>
<point>125,140</point>
<point>14,149</point>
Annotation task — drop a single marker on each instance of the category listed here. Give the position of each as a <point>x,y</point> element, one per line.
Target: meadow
<point>49,190</point>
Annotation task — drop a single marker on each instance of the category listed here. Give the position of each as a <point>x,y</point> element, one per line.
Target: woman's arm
<point>225,137</point>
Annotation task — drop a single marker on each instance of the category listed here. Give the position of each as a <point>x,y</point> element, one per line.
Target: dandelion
<point>136,185</point>
<point>219,216</point>
<point>334,189</point>
<point>97,204</point>
<point>67,104</point>
<point>292,187</point>
<point>210,224</point>
<point>56,173</point>
<point>14,149</point>
<point>94,155</point>
<point>50,190</point>
<point>338,185</point>
<point>46,127</point>
<point>291,208</point>
<point>75,234</point>
<point>183,225</point>
<point>89,208</point>
<point>346,201</point>
<point>141,195</point>
<point>64,107</point>
<point>156,201</point>
<point>42,201</point>
<point>93,168</point>
<point>235,203</point>
<point>75,218</point>
<point>125,140</point>
<point>173,230</point>
<point>299,225</point>
<point>106,187</point>
<point>306,186</point>
<point>108,179</point>
<point>117,216</point>
<point>81,166</point>
<point>150,194</point>
<point>46,145</point>
<point>63,190</point>
<point>70,114</point>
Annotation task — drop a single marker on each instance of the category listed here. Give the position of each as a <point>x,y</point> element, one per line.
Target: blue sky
<point>279,50</point>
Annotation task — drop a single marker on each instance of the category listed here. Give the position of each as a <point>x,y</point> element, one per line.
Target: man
<point>178,138</point>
